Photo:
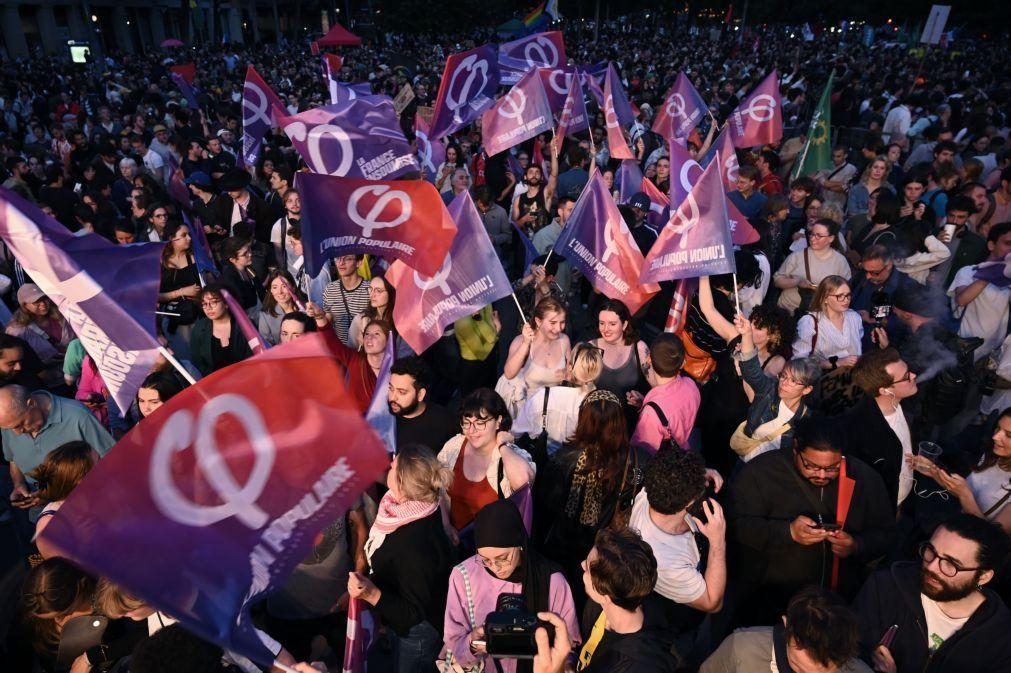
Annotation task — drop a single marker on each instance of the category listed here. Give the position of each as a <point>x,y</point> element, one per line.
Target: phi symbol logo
<point>473,67</point>
<point>540,53</point>
<point>761,108</point>
<point>610,116</point>
<point>681,225</point>
<point>254,111</point>
<point>385,195</point>
<point>560,89</point>
<point>731,168</point>
<point>513,105</point>
<point>676,106</point>
<point>314,141</point>
<point>439,280</point>
<point>425,151</point>
<point>610,244</point>
<point>686,181</point>
<point>181,431</point>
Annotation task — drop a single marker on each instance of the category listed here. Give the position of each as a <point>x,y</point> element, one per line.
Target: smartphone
<point>697,510</point>
<point>886,640</point>
<point>831,527</point>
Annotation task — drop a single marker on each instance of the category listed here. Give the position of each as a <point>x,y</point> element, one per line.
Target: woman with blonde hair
<point>409,558</point>
<point>537,356</point>
<point>875,176</point>
<point>831,331</point>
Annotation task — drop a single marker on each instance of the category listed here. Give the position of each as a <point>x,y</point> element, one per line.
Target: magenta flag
<point>658,203</point>
<point>359,138</point>
<point>592,77</point>
<point>758,120</point>
<point>684,171</point>
<point>678,314</point>
<point>682,110</point>
<point>342,91</point>
<point>724,154</point>
<point>258,104</point>
<point>540,50</point>
<point>597,241</point>
<point>573,117</point>
<point>249,333</point>
<point>469,82</point>
<point>361,633</point>
<point>556,83</point>
<point>471,277</point>
<point>431,152</point>
<point>996,273</point>
<point>696,241</point>
<point>617,115</point>
<point>521,114</point>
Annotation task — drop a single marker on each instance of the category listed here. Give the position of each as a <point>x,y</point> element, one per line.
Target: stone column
<point>47,28</point>
<point>14,34</point>
<point>235,24</point>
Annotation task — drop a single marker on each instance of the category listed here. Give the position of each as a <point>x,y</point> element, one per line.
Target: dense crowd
<point>811,475</point>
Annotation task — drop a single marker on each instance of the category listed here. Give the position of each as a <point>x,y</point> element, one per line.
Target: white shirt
<point>155,165</point>
<point>752,296</point>
<point>940,626</point>
<point>563,413</point>
<point>986,316</point>
<point>677,556</point>
<point>897,422</point>
<point>768,428</point>
<point>897,122</point>
<point>831,341</point>
<point>988,487</point>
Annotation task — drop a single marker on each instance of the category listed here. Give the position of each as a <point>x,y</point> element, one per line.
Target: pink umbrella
<point>172,42</point>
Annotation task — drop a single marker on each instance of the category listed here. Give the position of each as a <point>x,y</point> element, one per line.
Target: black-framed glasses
<point>908,377</point>
<point>843,296</point>
<point>475,423</point>
<point>814,467</point>
<point>948,567</point>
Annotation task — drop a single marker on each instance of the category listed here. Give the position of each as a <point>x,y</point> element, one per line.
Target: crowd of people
<point>811,475</point>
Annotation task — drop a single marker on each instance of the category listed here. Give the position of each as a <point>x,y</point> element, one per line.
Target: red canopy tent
<point>339,36</point>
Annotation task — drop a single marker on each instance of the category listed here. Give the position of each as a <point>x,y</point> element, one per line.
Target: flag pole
<point>737,297</point>
<point>283,667</point>
<point>548,258</point>
<point>518,307</point>
<point>178,366</point>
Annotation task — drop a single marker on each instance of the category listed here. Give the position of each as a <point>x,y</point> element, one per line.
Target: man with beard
<point>947,618</point>
<point>418,421</point>
<point>784,511</point>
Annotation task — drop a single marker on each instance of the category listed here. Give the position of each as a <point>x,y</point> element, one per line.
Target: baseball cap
<point>29,293</point>
<point>640,200</point>
<point>200,179</point>
<point>159,127</point>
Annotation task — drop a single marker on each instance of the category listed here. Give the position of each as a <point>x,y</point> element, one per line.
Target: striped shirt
<point>344,305</point>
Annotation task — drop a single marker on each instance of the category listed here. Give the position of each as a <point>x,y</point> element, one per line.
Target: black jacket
<point>411,568</point>
<point>257,210</point>
<point>892,596</point>
<point>200,346</point>
<point>769,494</point>
<point>872,440</point>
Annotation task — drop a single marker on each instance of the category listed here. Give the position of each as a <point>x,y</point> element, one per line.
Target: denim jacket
<point>765,407</point>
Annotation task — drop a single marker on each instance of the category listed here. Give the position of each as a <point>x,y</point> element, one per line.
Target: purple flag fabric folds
<point>106,292</point>
<point>378,415</point>
<point>541,50</point>
<point>187,90</point>
<point>573,117</point>
<point>469,82</point>
<point>519,115</point>
<point>556,83</point>
<point>682,110</point>
<point>359,138</point>
<point>258,104</point>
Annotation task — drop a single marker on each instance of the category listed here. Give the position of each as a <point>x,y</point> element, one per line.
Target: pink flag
<point>573,117</point>
<point>258,104</point>
<point>556,83</point>
<point>467,89</point>
<point>540,50</point>
<point>617,114</point>
<point>597,242</point>
<point>678,315</point>
<point>361,633</point>
<point>250,333</point>
<point>696,241</point>
<point>471,277</point>
<point>685,172</point>
<point>431,152</point>
<point>758,120</point>
<point>724,154</point>
<point>658,203</point>
<point>682,110</point>
<point>519,115</point>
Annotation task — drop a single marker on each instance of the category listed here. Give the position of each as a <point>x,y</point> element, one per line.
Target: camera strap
<point>590,646</point>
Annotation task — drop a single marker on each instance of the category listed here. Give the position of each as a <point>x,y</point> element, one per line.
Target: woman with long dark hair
<point>238,275</point>
<point>217,341</point>
<point>382,298</point>
<point>277,303</point>
<point>180,287</point>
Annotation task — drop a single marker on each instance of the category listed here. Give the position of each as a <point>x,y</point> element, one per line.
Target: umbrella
<point>171,42</point>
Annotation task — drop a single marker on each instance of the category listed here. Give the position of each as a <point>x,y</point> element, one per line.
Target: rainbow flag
<point>534,16</point>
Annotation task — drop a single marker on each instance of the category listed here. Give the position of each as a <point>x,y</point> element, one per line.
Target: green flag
<point>817,152</point>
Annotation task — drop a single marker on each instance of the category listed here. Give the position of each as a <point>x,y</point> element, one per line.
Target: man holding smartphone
<point>791,523</point>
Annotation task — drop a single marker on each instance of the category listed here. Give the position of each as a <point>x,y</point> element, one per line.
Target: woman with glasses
<point>216,341</point>
<point>180,287</point>
<point>238,275</point>
<point>802,270</point>
<point>831,331</point>
<point>505,563</point>
<point>777,403</point>
<point>486,464</point>
<point>382,297</point>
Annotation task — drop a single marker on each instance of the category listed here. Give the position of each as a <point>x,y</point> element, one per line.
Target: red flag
<point>361,633</point>
<point>334,63</point>
<point>613,98</point>
<point>188,71</point>
<point>239,315</point>
<point>758,120</point>
<point>314,48</point>
<point>678,315</point>
<point>842,510</point>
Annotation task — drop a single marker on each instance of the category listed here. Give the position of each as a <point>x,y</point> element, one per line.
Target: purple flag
<point>629,179</point>
<point>469,82</point>
<point>520,115</point>
<point>556,83</point>
<point>592,77</point>
<point>201,248</point>
<point>573,117</point>
<point>614,90</point>
<point>176,186</point>
<point>341,92</point>
<point>681,112</point>
<point>252,335</point>
<point>541,50</point>
<point>187,90</point>
<point>997,273</point>
<point>471,277</point>
<point>696,241</point>
<point>258,105</point>
<point>378,415</point>
<point>597,241</point>
<point>684,171</point>
<point>431,152</point>
<point>360,138</point>
<point>106,292</point>
<point>726,156</point>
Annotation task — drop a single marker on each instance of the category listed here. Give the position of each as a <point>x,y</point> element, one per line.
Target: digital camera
<point>509,631</point>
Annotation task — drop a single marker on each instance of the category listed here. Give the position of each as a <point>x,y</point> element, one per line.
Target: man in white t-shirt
<point>983,306</point>
<point>945,614</point>
<point>668,513</point>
